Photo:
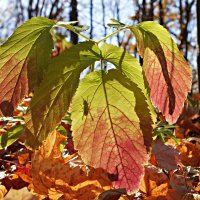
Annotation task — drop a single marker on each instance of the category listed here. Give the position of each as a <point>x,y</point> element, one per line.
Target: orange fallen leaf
<point>25,173</point>
<point>155,182</point>
<point>3,191</point>
<point>189,154</point>
<point>70,178</point>
<point>21,194</point>
<point>23,158</point>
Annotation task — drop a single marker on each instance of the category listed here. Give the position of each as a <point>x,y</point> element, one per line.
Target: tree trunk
<point>161,13</point>
<point>118,18</point>
<point>91,19</point>
<point>103,17</point>
<point>198,39</point>
<point>74,17</point>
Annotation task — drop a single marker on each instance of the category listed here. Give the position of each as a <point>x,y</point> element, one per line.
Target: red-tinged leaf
<point>23,61</point>
<point>167,72</point>
<point>130,67</point>
<point>169,87</point>
<point>106,114</point>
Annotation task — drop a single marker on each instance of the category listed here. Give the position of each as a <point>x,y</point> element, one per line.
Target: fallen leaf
<point>180,182</point>
<point>189,154</point>
<point>21,194</point>
<point>23,158</point>
<point>173,195</point>
<point>155,182</point>
<point>25,173</point>
<point>3,191</point>
<point>166,156</point>
<point>14,181</point>
<point>111,194</point>
<point>70,178</point>
<point>191,196</point>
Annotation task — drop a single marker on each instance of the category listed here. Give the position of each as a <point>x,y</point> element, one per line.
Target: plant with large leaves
<point>112,115</point>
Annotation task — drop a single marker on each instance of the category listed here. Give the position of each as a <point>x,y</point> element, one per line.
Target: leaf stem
<point>83,36</point>
<point>101,64</point>
<point>92,67</point>
<point>113,33</point>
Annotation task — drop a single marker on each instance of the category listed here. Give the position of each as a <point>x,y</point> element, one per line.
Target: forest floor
<point>56,171</point>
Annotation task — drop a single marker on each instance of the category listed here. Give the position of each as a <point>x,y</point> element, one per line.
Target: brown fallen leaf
<point>180,182</point>
<point>189,154</point>
<point>173,195</point>
<point>191,196</point>
<point>14,181</point>
<point>166,156</point>
<point>70,178</point>
<point>155,182</point>
<point>112,194</point>
<point>21,194</point>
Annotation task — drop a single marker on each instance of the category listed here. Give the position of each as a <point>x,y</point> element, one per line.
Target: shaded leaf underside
<point>23,60</point>
<point>109,135</point>
<point>167,72</point>
<point>52,99</point>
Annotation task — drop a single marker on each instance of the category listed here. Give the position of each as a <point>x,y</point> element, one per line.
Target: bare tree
<point>73,17</point>
<point>161,12</point>
<point>103,17</point>
<point>91,19</point>
<point>198,38</point>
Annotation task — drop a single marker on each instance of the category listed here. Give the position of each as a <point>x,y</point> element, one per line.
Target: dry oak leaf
<point>189,154</point>
<point>155,182</point>
<point>191,196</point>
<point>3,191</point>
<point>21,194</point>
<point>69,178</point>
<point>166,156</point>
<point>14,181</point>
<point>173,195</point>
<point>180,182</point>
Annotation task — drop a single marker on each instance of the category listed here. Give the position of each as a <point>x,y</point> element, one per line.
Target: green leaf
<point>52,99</point>
<point>167,72</point>
<point>110,134</point>
<point>24,60</point>
<point>72,27</point>
<point>11,136</point>
<point>116,24</point>
<point>131,68</point>
<point>115,21</point>
<point>81,28</point>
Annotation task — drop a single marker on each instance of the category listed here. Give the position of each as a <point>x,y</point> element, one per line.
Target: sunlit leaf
<point>109,135</point>
<point>52,99</point>
<point>130,67</point>
<point>167,72</point>
<point>24,60</point>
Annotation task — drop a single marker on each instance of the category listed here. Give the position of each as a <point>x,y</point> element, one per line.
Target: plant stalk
<point>113,33</point>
